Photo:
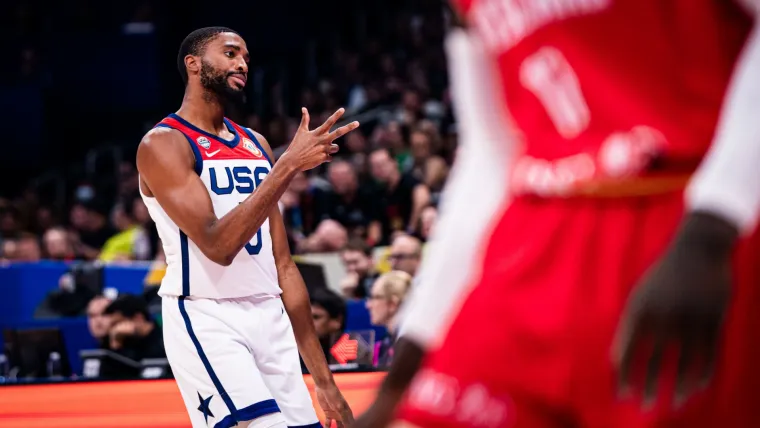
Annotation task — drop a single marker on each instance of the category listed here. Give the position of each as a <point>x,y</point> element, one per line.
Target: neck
<point>203,109</point>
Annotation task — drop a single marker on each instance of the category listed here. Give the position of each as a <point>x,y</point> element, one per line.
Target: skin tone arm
<point>295,297</point>
<point>165,162</point>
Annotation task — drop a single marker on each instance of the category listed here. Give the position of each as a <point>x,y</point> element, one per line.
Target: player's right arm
<point>165,163</point>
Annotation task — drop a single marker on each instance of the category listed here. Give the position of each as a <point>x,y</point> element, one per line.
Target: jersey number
<point>254,249</point>
<point>241,179</point>
<point>548,74</point>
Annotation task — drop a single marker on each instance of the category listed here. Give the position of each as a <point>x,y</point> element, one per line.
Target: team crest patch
<point>204,142</point>
<point>248,145</point>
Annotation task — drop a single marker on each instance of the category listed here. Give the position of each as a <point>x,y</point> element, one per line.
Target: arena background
<point>84,80</point>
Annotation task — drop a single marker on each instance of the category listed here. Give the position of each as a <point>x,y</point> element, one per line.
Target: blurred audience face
<point>57,244</point>
<point>428,218</point>
<point>28,249</point>
<point>330,236</point>
<point>323,324</point>
<point>140,211</point>
<point>355,142</point>
<point>299,184</point>
<point>79,217</point>
<point>356,262</point>
<point>421,145</point>
<point>342,177</point>
<point>119,218</point>
<point>8,223</point>
<point>388,292</point>
<point>412,101</point>
<point>44,218</point>
<point>97,322</point>
<point>9,249</point>
<point>405,254</point>
<point>436,172</point>
<point>382,166</point>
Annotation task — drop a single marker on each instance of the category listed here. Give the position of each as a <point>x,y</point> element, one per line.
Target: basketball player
<point>235,308</point>
<point>614,104</point>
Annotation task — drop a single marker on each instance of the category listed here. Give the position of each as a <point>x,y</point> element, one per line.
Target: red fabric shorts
<point>531,344</point>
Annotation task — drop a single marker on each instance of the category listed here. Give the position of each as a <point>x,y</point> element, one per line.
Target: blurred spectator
<point>89,221</point>
<point>348,203</point>
<point>388,294</point>
<point>405,254</point>
<point>328,311</point>
<point>76,288</point>
<point>330,236</point>
<point>427,222</point>
<point>27,248</point>
<point>357,259</point>
<point>297,206</point>
<point>97,321</point>
<point>58,245</point>
<point>400,198</point>
<point>132,333</point>
<point>132,242</point>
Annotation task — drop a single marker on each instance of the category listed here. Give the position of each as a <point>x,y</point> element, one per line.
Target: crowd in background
<point>382,189</point>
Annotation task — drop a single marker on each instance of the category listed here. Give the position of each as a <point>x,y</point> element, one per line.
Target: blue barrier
<point>25,285</point>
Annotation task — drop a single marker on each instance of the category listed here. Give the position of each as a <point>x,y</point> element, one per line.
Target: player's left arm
<point>295,297</point>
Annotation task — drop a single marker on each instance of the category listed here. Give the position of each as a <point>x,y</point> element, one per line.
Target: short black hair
<point>128,305</point>
<point>194,44</point>
<point>331,302</point>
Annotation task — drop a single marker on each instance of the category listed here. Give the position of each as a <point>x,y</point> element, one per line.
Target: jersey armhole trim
<point>258,144</point>
<point>193,147</point>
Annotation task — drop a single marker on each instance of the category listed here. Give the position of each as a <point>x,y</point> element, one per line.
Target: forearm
<point>226,236</point>
<point>295,297</point>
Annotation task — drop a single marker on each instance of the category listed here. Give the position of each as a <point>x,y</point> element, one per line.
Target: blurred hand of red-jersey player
<point>679,305</point>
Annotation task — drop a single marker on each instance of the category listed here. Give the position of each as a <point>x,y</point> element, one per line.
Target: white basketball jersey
<point>231,171</point>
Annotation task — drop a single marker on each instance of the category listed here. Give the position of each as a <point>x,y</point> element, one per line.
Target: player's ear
<point>193,64</point>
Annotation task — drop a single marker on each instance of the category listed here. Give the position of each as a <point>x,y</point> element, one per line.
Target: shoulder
<point>165,143</point>
<point>161,138</point>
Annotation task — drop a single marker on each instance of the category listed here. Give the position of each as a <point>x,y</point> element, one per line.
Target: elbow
<point>218,255</point>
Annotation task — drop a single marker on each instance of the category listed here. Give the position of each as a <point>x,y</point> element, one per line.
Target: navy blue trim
<point>314,425</point>
<point>185,263</point>
<point>229,143</point>
<point>210,370</point>
<point>262,408</point>
<point>258,144</point>
<point>193,146</point>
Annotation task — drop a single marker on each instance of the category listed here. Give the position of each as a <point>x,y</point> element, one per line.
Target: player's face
<point>224,66</point>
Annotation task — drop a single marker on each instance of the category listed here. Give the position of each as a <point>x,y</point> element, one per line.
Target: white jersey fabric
<point>231,171</point>
<point>227,336</point>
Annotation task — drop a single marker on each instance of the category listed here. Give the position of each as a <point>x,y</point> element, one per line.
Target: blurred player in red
<point>616,275</point>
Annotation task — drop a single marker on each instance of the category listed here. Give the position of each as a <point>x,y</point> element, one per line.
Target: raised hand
<point>310,149</point>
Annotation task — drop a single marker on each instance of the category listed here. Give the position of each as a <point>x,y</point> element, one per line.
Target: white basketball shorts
<point>236,360</point>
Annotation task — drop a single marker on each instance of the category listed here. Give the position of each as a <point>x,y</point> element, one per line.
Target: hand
<point>335,407</point>
<point>680,303</point>
<point>121,331</point>
<point>310,149</point>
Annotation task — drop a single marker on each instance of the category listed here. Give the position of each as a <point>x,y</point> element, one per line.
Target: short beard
<point>216,85</point>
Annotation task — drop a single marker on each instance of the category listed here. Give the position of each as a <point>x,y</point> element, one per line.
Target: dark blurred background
<point>81,83</point>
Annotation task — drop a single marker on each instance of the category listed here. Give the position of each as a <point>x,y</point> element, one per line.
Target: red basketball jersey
<point>609,88</point>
